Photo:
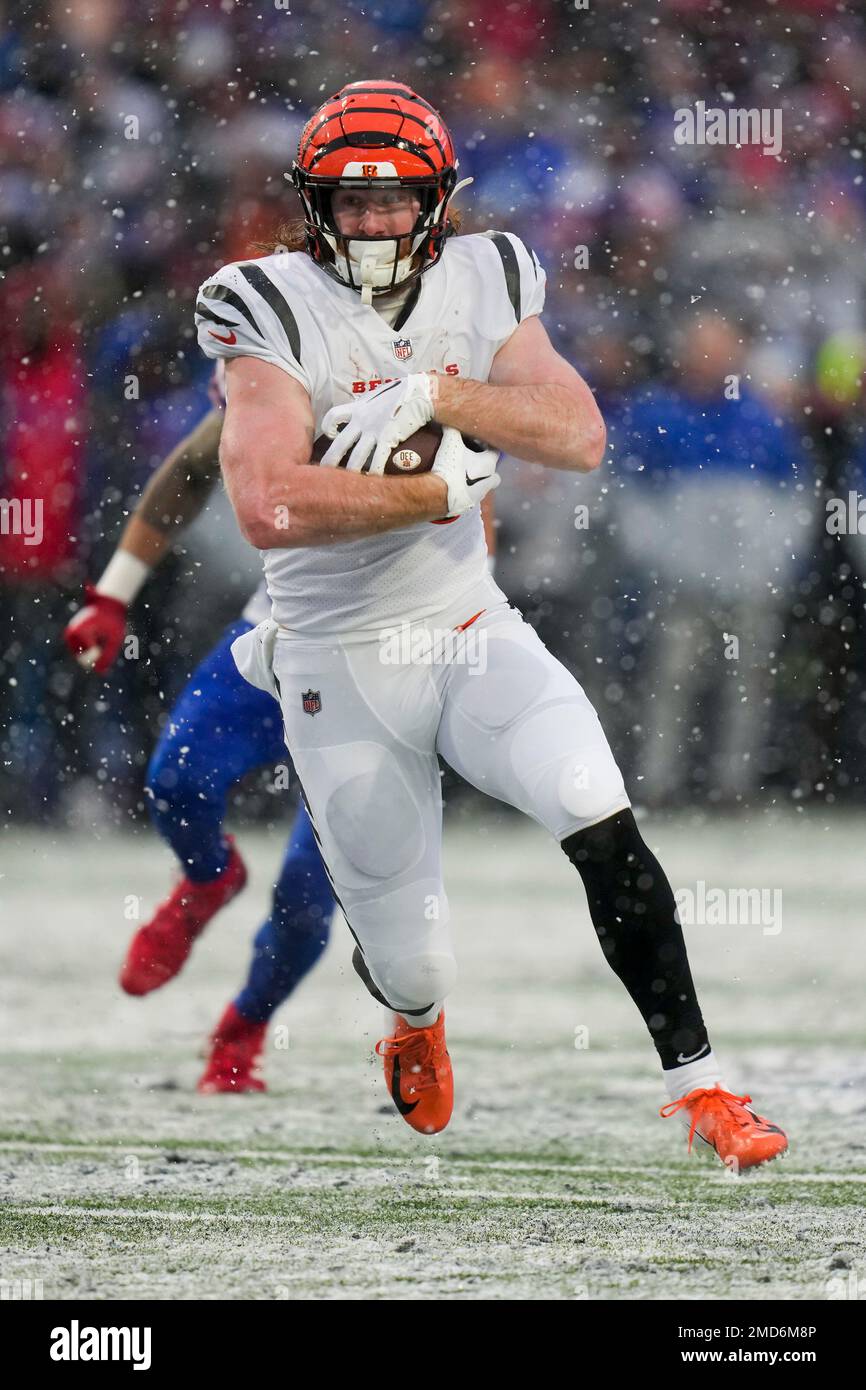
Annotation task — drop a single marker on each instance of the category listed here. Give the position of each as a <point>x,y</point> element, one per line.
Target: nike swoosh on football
<point>401,1104</point>
<point>695,1055</point>
<point>229,341</point>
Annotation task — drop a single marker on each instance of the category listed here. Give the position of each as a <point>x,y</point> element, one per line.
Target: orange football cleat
<point>741,1138</point>
<point>159,949</point>
<point>235,1054</point>
<point>418,1074</point>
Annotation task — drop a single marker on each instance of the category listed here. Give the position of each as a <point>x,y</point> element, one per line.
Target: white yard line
<point>565,1169</point>
<point>148,1214</point>
<point>442,1194</point>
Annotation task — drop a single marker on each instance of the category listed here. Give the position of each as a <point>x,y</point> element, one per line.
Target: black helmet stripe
<point>373,91</point>
<point>342,142</point>
<point>385,136</point>
<point>407,116</point>
<point>379,111</point>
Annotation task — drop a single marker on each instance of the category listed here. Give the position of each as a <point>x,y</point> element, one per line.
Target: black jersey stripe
<point>227,296</point>
<point>407,307</point>
<point>511,269</point>
<point>204,313</point>
<point>277,301</point>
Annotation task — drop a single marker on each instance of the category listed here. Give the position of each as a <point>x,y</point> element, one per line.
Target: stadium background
<point>710,518</point>
<point>556,1178</point>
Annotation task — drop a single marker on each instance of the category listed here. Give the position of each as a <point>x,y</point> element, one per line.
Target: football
<point>414,455</point>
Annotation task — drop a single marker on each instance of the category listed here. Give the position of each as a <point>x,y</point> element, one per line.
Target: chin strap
<point>371,264</point>
<point>367,275</point>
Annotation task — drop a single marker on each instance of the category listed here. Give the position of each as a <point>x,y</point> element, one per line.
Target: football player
<point>380,323</point>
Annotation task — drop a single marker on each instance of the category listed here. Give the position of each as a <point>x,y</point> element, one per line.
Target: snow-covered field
<point>556,1178</point>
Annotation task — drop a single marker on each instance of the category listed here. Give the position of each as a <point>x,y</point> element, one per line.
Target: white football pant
<point>364,723</point>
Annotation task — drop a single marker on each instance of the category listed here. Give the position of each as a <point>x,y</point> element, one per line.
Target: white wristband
<point>124,576</point>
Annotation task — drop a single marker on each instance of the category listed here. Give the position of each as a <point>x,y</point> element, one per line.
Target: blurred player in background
<point>220,729</point>
<point>386,292</point>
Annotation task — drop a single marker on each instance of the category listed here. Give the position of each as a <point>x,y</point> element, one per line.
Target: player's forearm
<point>177,491</point>
<point>143,541</point>
<point>173,497</point>
<point>550,424</point>
<point>313,506</point>
<point>489,520</point>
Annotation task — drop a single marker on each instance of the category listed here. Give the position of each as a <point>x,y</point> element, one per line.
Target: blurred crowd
<point>713,297</point>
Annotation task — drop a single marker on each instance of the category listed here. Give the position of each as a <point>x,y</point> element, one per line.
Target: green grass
<point>556,1179</point>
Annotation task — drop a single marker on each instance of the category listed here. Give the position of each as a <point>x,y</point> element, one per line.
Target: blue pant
<point>220,729</point>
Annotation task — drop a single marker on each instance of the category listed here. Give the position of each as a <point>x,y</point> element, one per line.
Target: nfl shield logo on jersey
<point>312,701</point>
<point>402,349</point>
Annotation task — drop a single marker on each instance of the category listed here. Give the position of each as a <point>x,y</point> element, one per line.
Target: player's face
<point>360,212</point>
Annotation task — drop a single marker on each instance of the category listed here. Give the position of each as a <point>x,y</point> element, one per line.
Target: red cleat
<point>159,949</point>
<point>235,1053</point>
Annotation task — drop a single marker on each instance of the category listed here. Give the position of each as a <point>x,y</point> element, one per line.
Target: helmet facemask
<point>372,265</point>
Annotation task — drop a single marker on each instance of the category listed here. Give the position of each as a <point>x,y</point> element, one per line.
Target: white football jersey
<point>258,605</point>
<point>458,315</point>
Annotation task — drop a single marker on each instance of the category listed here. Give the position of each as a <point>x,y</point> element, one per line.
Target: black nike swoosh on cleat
<point>401,1104</point>
<point>765,1127</point>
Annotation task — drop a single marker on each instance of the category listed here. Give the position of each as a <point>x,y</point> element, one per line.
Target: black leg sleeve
<point>633,911</point>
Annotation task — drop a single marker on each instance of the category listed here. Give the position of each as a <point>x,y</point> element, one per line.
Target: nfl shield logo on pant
<point>402,349</point>
<point>312,700</point>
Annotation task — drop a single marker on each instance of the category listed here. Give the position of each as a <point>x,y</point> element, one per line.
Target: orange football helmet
<point>375,135</point>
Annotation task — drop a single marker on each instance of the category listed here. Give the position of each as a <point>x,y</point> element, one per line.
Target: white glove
<point>468,473</point>
<point>377,423</point>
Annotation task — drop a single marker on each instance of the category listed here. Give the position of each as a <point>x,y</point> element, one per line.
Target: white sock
<point>704,1073</point>
<point>419,1021</point>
